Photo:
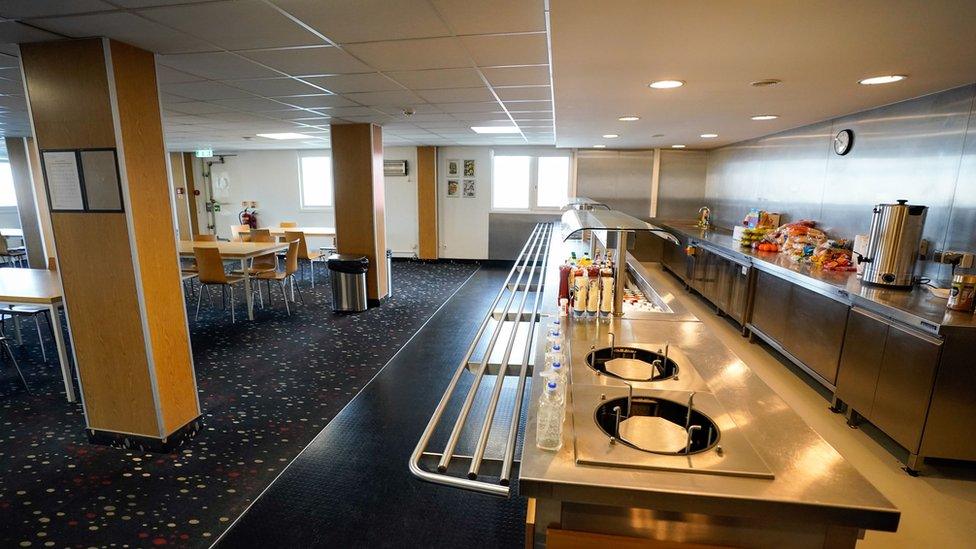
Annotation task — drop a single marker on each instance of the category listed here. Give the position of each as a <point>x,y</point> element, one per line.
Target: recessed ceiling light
<point>610,136</point>
<point>666,84</point>
<point>599,146</point>
<point>887,79</point>
<point>764,83</point>
<point>495,129</point>
<point>709,135</point>
<point>629,118</point>
<point>284,135</point>
<point>765,117</point>
<point>677,146</point>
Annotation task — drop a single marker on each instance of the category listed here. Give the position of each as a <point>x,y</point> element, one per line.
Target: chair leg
<point>284,297</point>
<point>200,297</point>
<point>311,268</point>
<point>17,334</point>
<point>40,338</point>
<point>6,346</point>
<point>300,295</point>
<point>223,297</point>
<point>232,319</point>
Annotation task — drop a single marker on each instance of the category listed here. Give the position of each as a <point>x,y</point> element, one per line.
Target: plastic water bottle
<point>549,419</point>
<point>557,373</point>
<point>555,354</point>
<point>554,337</point>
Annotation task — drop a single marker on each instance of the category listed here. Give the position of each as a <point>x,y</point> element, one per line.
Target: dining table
<point>238,251</point>
<point>42,288</point>
<point>309,231</point>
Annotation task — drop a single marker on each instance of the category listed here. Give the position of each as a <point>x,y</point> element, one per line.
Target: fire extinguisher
<point>249,217</point>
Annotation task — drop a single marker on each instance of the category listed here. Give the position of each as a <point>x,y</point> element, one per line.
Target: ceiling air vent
<point>395,168</point>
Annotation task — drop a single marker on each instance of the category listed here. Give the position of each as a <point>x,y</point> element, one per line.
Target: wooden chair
<point>287,225</point>
<point>262,263</point>
<point>303,253</point>
<point>204,238</point>
<point>240,233</point>
<point>191,268</point>
<point>210,272</point>
<point>286,276</point>
<point>18,255</point>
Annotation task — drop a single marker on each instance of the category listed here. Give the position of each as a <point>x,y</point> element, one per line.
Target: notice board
<point>82,180</point>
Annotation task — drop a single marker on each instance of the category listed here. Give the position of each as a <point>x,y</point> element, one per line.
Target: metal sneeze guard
<point>524,285</point>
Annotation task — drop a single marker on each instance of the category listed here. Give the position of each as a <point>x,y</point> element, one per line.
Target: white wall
<point>463,222</point>
<point>272,179</point>
<point>402,225</point>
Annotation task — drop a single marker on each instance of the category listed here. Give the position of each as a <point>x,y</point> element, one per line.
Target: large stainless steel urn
<point>893,244</point>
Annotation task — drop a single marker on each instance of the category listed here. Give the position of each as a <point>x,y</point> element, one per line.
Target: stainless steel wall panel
<point>620,179</point>
<point>681,184</point>
<point>922,150</point>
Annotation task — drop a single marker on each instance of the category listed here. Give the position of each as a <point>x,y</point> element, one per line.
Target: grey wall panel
<point>620,179</point>
<point>681,184</point>
<point>917,150</point>
<point>507,232</point>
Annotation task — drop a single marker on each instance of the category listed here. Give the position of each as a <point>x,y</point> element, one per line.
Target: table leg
<point>17,334</point>
<point>55,321</point>
<point>247,290</point>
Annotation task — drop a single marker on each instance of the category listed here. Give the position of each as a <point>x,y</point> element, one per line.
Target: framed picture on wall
<point>469,168</point>
<point>453,168</point>
<point>469,188</point>
<point>453,188</point>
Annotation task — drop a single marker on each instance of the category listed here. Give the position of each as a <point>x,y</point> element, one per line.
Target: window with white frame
<point>8,197</point>
<point>529,182</point>
<point>316,181</point>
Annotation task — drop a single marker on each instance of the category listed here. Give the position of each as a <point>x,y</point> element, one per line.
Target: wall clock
<point>844,142</point>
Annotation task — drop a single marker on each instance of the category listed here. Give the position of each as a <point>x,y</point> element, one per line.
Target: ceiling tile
<point>253,104</point>
<point>467,17</point>
<point>128,28</point>
<point>528,106</point>
<point>532,75</point>
<point>204,90</point>
<point>272,87</point>
<point>149,3</point>
<point>16,33</point>
<point>308,61</point>
<point>416,109</point>
<point>169,75</point>
<point>235,25</point>
<point>368,20</point>
<point>469,107</point>
<point>375,119</point>
<point>217,66</point>
<point>346,83</point>
<point>438,78</point>
<point>399,97</point>
<point>317,101</point>
<point>525,93</point>
<point>196,107</point>
<point>21,9</point>
<point>11,87</point>
<point>459,95</point>
<point>351,111</point>
<point>508,49</point>
<point>404,55</point>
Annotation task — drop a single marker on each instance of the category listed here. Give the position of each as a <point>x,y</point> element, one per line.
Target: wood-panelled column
<point>357,173</point>
<point>427,203</point>
<point>119,266</point>
<point>20,169</point>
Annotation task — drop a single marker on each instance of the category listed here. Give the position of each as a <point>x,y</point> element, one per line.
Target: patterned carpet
<point>267,388</point>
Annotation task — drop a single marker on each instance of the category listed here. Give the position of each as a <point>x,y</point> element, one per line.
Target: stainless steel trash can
<point>348,276</point>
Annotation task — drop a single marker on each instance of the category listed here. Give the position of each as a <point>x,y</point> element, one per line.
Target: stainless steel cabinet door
<point>771,305</point>
<point>739,293</point>
<point>860,361</point>
<point>905,385</point>
<point>815,331</point>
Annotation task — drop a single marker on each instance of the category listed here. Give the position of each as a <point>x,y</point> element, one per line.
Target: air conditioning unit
<point>395,168</point>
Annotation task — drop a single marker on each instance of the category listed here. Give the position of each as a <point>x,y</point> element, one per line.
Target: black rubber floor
<point>351,487</point>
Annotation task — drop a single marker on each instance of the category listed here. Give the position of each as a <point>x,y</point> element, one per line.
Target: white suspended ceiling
<point>229,69</point>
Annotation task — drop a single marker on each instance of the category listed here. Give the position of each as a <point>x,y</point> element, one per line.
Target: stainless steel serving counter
<point>814,498</point>
<point>918,307</point>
